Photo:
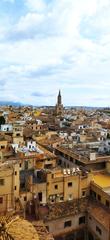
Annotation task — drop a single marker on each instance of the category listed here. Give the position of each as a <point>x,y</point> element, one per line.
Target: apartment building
<point>9,186</point>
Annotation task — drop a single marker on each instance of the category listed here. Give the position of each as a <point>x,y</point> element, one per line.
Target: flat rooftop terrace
<point>102,180</point>
<point>83,155</point>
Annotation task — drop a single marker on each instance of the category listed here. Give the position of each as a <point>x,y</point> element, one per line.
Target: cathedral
<point>59,105</point>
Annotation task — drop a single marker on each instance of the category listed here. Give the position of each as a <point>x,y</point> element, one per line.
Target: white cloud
<point>29,21</point>
<point>51,36</point>
<point>36,5</point>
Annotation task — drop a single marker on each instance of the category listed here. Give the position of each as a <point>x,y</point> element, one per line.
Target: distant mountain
<point>9,103</point>
<point>20,104</point>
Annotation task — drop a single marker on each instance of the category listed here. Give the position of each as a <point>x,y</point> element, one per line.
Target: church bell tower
<point>59,98</point>
<point>59,105</point>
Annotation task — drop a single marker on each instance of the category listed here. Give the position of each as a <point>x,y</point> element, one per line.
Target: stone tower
<point>59,98</point>
<point>59,105</point>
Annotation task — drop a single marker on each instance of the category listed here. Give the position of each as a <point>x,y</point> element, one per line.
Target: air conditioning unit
<point>64,171</point>
<point>68,171</point>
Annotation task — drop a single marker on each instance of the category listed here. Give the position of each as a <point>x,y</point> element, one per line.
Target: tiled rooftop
<point>42,231</point>
<point>100,214</point>
<point>64,209</point>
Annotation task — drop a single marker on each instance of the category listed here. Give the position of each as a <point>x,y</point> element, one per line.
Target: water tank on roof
<point>92,156</point>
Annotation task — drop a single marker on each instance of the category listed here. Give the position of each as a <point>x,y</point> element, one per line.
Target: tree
<point>2,120</point>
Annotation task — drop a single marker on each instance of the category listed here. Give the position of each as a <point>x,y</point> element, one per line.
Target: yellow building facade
<point>9,186</point>
<point>64,187</point>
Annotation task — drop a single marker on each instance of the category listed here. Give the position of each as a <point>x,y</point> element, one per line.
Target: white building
<point>6,128</point>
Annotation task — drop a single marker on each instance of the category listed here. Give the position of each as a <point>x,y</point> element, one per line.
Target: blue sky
<point>47,45</point>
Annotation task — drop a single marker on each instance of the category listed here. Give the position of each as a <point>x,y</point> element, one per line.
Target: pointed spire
<point>59,98</point>
<point>59,93</point>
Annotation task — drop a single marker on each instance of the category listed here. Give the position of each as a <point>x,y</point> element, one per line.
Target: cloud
<point>36,5</point>
<point>26,28</point>
<point>39,94</point>
<point>29,21</point>
<point>56,44</point>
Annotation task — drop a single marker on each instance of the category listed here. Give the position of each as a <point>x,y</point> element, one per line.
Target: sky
<point>47,45</point>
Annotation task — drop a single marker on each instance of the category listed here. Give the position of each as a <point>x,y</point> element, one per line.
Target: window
<point>18,135</point>
<point>25,198</point>
<point>94,194</point>
<point>107,203</point>
<point>69,184</point>
<point>20,164</point>
<point>81,220</point>
<point>70,197</point>
<point>1,200</point>
<point>99,197</point>
<point>83,193</point>
<point>90,192</point>
<point>40,196</point>
<point>56,186</point>
<point>98,230</point>
<point>67,224</point>
<point>1,182</point>
<point>47,227</point>
<point>15,187</point>
<point>2,147</point>
<point>15,172</point>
